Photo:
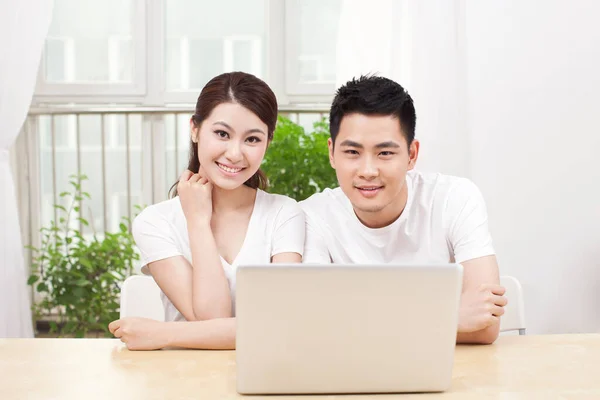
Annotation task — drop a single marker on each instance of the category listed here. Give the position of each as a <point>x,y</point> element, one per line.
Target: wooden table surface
<point>515,367</point>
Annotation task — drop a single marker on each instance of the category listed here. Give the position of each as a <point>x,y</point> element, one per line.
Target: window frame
<point>149,86</point>
<point>54,92</point>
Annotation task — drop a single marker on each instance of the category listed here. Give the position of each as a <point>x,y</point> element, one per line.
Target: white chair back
<point>514,312</point>
<point>140,297</point>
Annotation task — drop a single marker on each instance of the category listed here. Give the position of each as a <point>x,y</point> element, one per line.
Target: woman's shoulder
<point>160,213</point>
<point>276,201</point>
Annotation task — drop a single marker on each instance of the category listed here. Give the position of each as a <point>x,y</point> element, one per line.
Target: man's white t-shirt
<point>276,226</point>
<point>445,220</point>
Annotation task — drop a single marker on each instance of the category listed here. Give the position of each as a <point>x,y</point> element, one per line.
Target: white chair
<point>140,297</point>
<point>514,312</point>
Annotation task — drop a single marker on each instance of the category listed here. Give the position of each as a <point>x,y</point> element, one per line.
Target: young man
<point>386,212</point>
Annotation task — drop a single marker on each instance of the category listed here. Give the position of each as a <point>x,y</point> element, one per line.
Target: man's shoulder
<point>322,202</point>
<point>438,186</point>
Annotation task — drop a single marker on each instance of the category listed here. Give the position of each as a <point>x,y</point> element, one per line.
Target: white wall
<point>534,133</point>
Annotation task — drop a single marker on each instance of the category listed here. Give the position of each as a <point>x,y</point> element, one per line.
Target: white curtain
<point>419,44</point>
<point>23,28</point>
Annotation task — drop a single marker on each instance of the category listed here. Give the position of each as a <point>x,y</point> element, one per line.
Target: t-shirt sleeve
<point>315,249</point>
<point>467,222</point>
<point>288,236</point>
<point>154,236</point>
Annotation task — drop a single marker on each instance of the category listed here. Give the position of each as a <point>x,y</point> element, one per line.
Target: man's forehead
<point>362,138</point>
<point>370,128</point>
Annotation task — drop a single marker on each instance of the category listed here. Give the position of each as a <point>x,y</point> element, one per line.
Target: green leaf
<point>53,326</point>
<point>78,293</point>
<point>117,275</point>
<point>86,263</point>
<point>81,275</point>
<point>70,326</point>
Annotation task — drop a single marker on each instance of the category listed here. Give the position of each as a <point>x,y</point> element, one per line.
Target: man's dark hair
<point>373,95</point>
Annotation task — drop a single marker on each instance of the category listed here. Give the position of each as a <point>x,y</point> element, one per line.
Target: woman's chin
<point>228,183</point>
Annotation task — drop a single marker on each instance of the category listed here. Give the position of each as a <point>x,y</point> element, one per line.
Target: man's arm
<point>482,302</point>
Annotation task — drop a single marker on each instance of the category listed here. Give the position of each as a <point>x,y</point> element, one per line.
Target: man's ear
<point>413,153</point>
<point>194,131</point>
<point>330,147</point>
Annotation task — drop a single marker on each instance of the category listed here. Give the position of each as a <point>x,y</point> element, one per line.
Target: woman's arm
<point>148,334</point>
<point>210,294</point>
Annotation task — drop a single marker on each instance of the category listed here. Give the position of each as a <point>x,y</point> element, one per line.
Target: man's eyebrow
<point>387,144</point>
<point>352,143</point>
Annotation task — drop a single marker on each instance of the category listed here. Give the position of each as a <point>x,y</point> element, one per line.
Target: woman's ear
<point>194,131</point>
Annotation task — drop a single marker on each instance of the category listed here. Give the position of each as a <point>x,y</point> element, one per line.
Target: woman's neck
<point>229,200</point>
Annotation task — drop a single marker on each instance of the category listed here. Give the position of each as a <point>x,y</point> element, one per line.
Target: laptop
<point>316,329</point>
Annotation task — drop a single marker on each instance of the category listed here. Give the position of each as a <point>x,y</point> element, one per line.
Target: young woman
<point>218,218</point>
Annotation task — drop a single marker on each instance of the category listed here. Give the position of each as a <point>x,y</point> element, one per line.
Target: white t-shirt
<point>445,220</point>
<point>276,226</point>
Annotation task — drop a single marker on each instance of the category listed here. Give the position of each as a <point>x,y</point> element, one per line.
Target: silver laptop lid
<point>346,328</point>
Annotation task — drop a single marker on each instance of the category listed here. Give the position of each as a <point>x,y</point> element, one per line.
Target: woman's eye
<point>222,134</point>
<point>253,140</point>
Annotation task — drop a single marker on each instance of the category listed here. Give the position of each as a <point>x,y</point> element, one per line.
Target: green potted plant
<point>79,277</point>
<point>297,162</point>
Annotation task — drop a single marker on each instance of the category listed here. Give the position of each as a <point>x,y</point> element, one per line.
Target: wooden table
<point>515,367</point>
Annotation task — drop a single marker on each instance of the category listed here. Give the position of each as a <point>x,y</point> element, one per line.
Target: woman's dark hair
<point>245,90</point>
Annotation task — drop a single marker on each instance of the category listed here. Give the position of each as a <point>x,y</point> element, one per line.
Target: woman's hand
<point>195,194</point>
<point>140,333</point>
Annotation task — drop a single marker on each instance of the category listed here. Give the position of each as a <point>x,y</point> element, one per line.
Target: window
<point>312,31</point>
<point>159,52</point>
<point>94,48</point>
<point>204,38</point>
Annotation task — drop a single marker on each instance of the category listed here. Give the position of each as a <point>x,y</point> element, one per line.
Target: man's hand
<point>481,308</point>
<point>140,333</point>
